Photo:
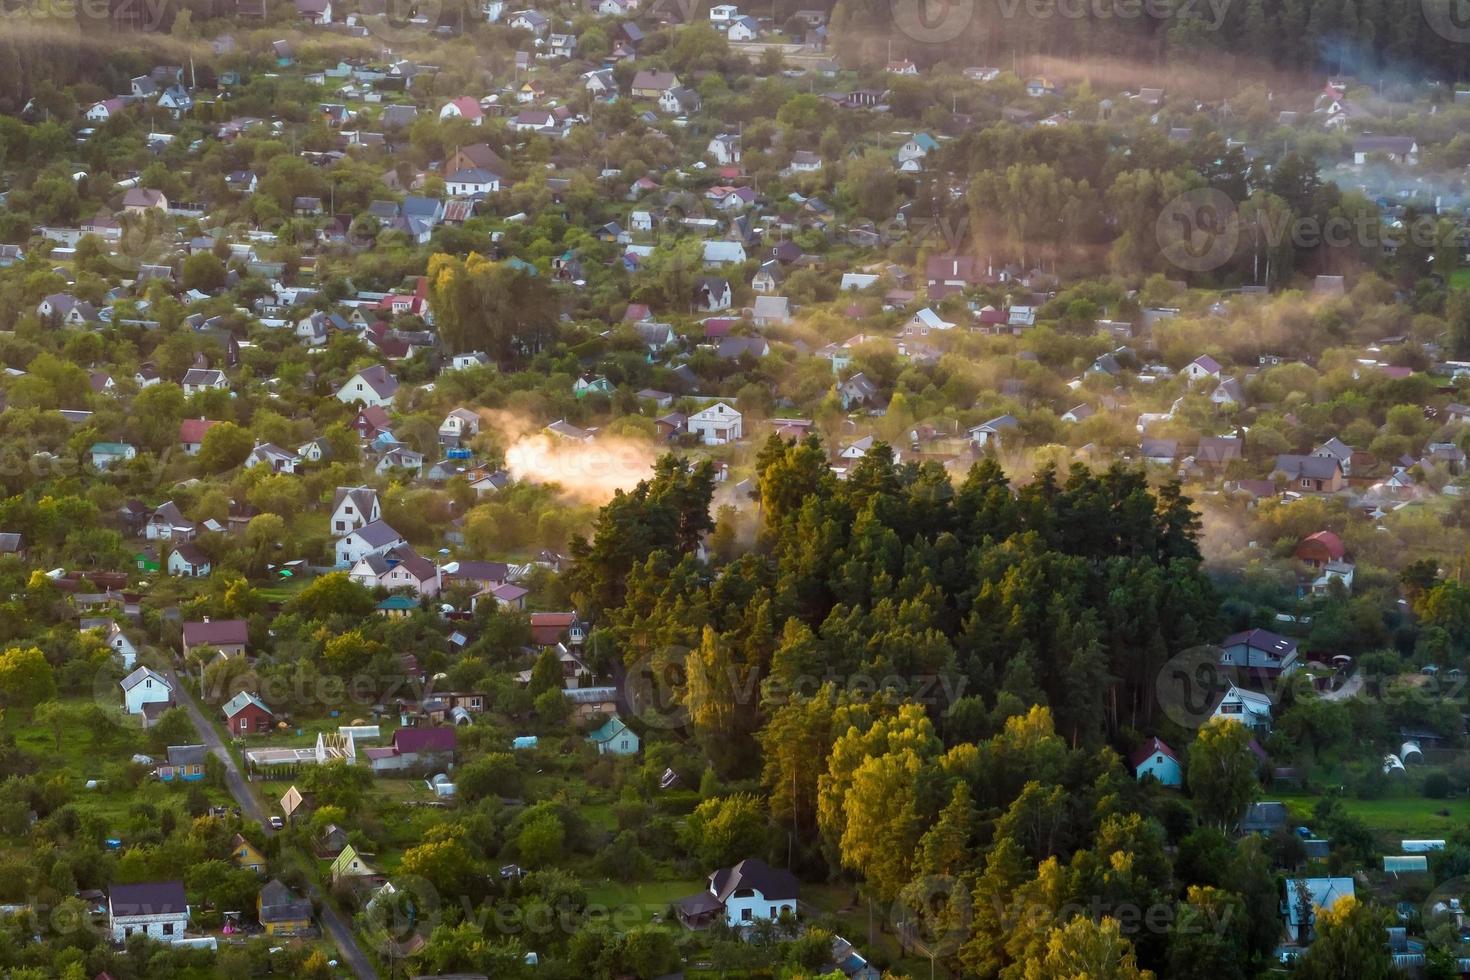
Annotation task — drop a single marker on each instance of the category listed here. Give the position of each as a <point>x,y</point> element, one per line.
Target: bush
<point>1437,785</point>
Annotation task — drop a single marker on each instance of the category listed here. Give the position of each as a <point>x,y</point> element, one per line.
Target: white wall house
<point>1155,758</point>
<point>156,909</point>
<point>370,539</point>
<point>353,507</point>
<point>145,686</point>
<point>1247,707</point>
<point>717,425</point>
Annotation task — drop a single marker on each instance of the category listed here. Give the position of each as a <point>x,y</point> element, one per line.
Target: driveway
<point>332,921</point>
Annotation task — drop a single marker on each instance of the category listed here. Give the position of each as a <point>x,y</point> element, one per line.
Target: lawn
<point>1392,817</point>
<point>635,903</point>
<point>1460,278</point>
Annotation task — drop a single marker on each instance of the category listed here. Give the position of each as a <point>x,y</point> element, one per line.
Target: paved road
<point>332,921</point>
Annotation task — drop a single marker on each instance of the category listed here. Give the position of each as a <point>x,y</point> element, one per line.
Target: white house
<point>188,561</point>
<point>273,458</point>
<point>987,432</point>
<point>716,425</point>
<point>145,686</point>
<point>460,424</point>
<point>372,386</point>
<point>471,181</point>
<point>1251,709</point>
<point>725,148</point>
<point>742,894</point>
<point>204,379</point>
<point>723,13</point>
<point>156,909</point>
<point>465,108</point>
<point>122,647</point>
<point>370,539</point>
<point>354,507</point>
<point>743,29</point>
<point>1155,758</point>
<point>723,253</point>
<point>1202,367</point>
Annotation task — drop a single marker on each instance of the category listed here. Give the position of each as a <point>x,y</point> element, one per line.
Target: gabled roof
<point>140,674</point>
<point>240,701</point>
<point>772,883</point>
<point>216,633</point>
<point>1154,746</point>
<point>377,534</point>
<point>148,898</point>
<point>407,740</point>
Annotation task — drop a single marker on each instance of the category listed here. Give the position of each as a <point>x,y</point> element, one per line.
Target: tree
<point>332,595</point>
<point>26,678</point>
<point>1349,943</point>
<point>202,271</point>
<point>493,774</point>
<point>546,673</point>
<point>724,830</point>
<point>225,447</point>
<point>1085,949</point>
<point>871,184</point>
<point>1222,772</point>
<point>541,839</point>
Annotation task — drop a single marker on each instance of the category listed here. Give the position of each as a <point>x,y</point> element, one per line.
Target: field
<point>1394,818</point>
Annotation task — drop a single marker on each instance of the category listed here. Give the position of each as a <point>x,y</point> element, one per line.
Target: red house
<point>246,714</point>
<point>548,629</point>
<point>1317,550</point>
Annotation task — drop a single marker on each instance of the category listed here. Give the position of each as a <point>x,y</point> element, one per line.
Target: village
<point>501,467</point>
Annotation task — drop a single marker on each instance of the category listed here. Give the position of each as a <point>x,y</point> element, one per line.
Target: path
<point>332,921</point>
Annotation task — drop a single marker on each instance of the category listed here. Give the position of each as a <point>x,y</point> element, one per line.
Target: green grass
<point>1460,278</point>
<point>636,903</point>
<point>1392,817</point>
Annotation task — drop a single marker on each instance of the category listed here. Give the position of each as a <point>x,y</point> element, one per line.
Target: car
<point>277,823</point>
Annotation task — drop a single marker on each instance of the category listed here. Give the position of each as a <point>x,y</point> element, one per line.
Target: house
<point>1202,367</point>
<point>204,379</point>
<point>589,384</point>
<point>191,434</point>
<point>561,46</point>
<point>398,568</point>
<point>167,522</point>
<point>722,14</point>
<point>188,561</point>
<point>280,912</point>
<point>1160,452</point>
<point>680,102</point>
<point>471,181</point>
<point>106,454</point>
<point>649,84</point>
<point>139,200</point>
<point>1216,452</point>
<point>1155,758</point>
<point>415,749</point>
<point>465,108</point>
<point>743,29</point>
<point>1310,474</point>
<point>374,538</point>
<point>459,425</point>
<point>847,961</point>
<point>533,21</point>
<point>857,390</point>
<point>246,855</point>
<point>315,11</point>
<point>723,253</point>
<point>1335,448</point>
<point>242,181</point>
<point>372,387</point>
<point>273,458</point>
<point>711,294</point>
<point>352,507</point>
<point>156,909</point>
<point>1229,393</point>
<point>987,433</point>
<point>185,763</point>
<point>725,149</point>
<point>246,714</point>
<point>348,864</point>
<point>117,641</point>
<point>228,636</point>
<point>613,737</point>
<point>771,311</point>
<point>1260,653</point>
<point>549,628</point>
<point>1264,818</point>
<point>716,425</point>
<point>67,310</point>
<point>1320,549</point>
<point>1251,709</point>
<point>742,894</point>
<point>145,686</point>
<point>1398,149</point>
<point>768,277</point>
<point>1305,898</point>
<point>176,100</point>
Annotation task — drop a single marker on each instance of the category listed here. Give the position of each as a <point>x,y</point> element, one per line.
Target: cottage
<point>742,894</point>
<point>1155,758</point>
<point>246,714</point>
<point>988,433</point>
<point>414,749</point>
<point>145,686</point>
<point>188,561</point>
<point>716,425</point>
<point>1249,708</point>
<point>353,507</point>
<point>550,628</point>
<point>227,636</point>
<point>1310,474</point>
<point>1260,653</point>
<point>372,387</point>
<point>374,538</point>
<point>156,909</point>
<point>246,855</point>
<point>185,763</point>
<point>280,911</point>
<point>614,737</point>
